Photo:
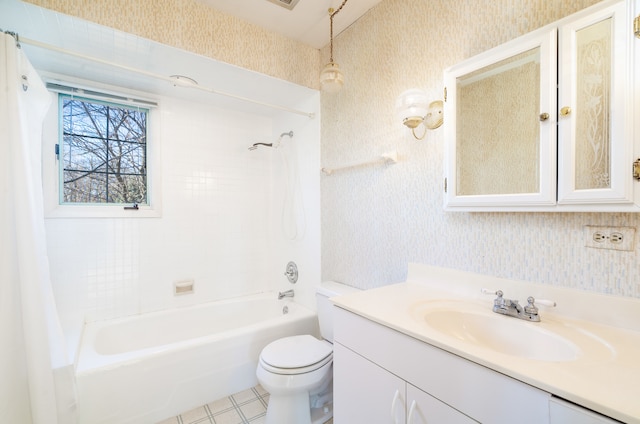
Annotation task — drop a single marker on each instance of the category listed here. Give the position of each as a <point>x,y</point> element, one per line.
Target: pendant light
<point>331,77</point>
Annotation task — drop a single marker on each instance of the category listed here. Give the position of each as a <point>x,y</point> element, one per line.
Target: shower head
<point>255,145</point>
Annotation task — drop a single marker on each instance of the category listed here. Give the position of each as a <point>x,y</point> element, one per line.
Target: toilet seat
<point>296,355</point>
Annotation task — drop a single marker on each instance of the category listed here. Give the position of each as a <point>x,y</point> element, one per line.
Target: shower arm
<point>254,146</point>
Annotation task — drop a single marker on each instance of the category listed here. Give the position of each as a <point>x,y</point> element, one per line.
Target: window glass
<point>103,152</point>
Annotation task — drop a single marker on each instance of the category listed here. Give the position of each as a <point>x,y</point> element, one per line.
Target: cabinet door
<point>500,130</point>
<point>425,409</point>
<point>364,392</point>
<point>561,412</point>
<point>595,122</point>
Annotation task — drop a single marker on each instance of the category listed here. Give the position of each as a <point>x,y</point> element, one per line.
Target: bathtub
<point>146,368</point>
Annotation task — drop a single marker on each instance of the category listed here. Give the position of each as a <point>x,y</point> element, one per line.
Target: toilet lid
<point>296,352</point>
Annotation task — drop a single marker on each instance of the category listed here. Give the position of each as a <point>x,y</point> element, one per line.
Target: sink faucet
<point>512,308</point>
<point>288,293</point>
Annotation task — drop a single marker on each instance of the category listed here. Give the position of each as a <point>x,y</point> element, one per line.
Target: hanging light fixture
<point>331,77</point>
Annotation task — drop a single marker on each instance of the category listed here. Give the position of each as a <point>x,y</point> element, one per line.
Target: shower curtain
<point>36,378</point>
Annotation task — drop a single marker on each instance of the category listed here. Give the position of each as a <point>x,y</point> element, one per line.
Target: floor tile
<point>197,415</point>
<point>246,407</point>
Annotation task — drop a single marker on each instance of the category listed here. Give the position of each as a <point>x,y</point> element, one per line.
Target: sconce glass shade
<point>412,106</point>
<point>331,78</point>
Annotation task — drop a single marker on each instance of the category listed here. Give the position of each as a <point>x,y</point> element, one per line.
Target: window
<point>102,152</point>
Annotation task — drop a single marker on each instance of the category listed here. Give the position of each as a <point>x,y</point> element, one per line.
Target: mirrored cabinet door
<point>501,125</point>
<point>595,155</point>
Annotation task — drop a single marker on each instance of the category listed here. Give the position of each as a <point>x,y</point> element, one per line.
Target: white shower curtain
<point>36,378</point>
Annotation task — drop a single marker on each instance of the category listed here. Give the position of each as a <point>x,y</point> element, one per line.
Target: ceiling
<point>142,66</point>
<point>307,22</point>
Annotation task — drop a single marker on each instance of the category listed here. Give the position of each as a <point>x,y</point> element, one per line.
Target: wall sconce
<point>414,108</point>
<point>636,26</point>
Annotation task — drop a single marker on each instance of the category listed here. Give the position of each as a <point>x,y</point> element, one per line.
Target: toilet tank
<point>324,292</point>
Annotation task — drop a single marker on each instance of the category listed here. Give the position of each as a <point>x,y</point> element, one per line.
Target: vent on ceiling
<point>288,4</point>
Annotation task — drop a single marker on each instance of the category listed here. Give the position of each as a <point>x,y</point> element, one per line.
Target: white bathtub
<point>146,368</point>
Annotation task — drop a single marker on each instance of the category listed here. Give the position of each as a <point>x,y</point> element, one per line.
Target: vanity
<point>431,350</point>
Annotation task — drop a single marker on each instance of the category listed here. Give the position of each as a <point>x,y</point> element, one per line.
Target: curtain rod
<point>171,80</point>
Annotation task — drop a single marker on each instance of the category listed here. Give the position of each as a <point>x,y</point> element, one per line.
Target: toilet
<point>297,371</point>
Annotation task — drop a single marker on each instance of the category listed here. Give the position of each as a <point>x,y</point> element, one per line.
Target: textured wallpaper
<point>377,219</point>
<point>195,27</point>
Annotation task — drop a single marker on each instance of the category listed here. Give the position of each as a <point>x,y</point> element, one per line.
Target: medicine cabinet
<point>545,122</point>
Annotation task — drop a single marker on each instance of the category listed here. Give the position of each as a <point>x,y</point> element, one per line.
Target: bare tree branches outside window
<point>104,152</point>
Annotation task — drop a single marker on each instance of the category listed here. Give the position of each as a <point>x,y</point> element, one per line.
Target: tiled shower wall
<point>375,220</point>
<point>217,224</point>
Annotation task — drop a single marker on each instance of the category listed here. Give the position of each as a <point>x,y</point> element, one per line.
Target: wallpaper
<point>195,27</point>
<point>377,219</point>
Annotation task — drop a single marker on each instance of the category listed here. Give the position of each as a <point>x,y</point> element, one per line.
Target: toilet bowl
<point>297,371</point>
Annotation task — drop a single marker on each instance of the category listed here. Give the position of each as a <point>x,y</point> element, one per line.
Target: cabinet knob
<point>565,111</point>
<point>544,116</point>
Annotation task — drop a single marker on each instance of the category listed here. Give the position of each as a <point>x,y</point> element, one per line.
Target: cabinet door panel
<point>425,409</point>
<point>500,152</point>
<point>594,114</point>
<point>364,392</point>
<point>562,412</point>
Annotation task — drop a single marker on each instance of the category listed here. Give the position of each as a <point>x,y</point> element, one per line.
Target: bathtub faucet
<point>288,293</point>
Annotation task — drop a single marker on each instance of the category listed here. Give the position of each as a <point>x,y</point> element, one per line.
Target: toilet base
<point>296,409</point>
<point>323,414</point>
<point>301,407</point>
<point>292,408</point>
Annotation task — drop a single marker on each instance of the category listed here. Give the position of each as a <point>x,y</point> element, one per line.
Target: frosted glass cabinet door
<point>363,392</point>
<point>594,150</point>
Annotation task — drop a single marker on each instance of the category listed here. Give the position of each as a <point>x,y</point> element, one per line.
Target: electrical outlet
<point>614,238</point>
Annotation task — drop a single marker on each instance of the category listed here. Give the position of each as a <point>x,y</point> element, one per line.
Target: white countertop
<point>605,377</point>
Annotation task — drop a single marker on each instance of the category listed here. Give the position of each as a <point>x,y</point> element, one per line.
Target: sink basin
<point>507,335</point>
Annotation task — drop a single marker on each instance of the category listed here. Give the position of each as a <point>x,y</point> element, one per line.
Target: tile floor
<point>246,407</point>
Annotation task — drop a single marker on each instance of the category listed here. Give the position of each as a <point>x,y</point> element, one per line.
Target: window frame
<point>52,167</point>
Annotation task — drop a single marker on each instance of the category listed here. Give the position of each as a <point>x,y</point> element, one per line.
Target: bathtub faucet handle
<point>288,293</point>
<point>292,272</point>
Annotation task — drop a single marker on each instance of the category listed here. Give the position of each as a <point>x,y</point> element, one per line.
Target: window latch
<point>57,151</point>
<point>132,208</point>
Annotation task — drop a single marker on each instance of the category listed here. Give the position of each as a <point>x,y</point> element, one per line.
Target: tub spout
<point>288,293</point>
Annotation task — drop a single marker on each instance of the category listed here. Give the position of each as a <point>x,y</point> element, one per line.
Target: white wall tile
<point>216,227</point>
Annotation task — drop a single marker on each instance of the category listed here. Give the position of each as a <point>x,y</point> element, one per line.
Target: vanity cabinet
<point>367,393</point>
<point>563,412</point>
<point>384,376</point>
<point>546,122</point>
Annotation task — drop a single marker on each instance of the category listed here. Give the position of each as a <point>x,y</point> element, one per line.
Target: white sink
<point>503,334</point>
<point>550,340</point>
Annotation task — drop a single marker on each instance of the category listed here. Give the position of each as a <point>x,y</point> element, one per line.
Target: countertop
<point>604,377</point>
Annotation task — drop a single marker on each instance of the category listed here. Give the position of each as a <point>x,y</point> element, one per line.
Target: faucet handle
<point>499,301</point>
<point>545,302</point>
<point>531,308</point>
<point>489,291</point>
